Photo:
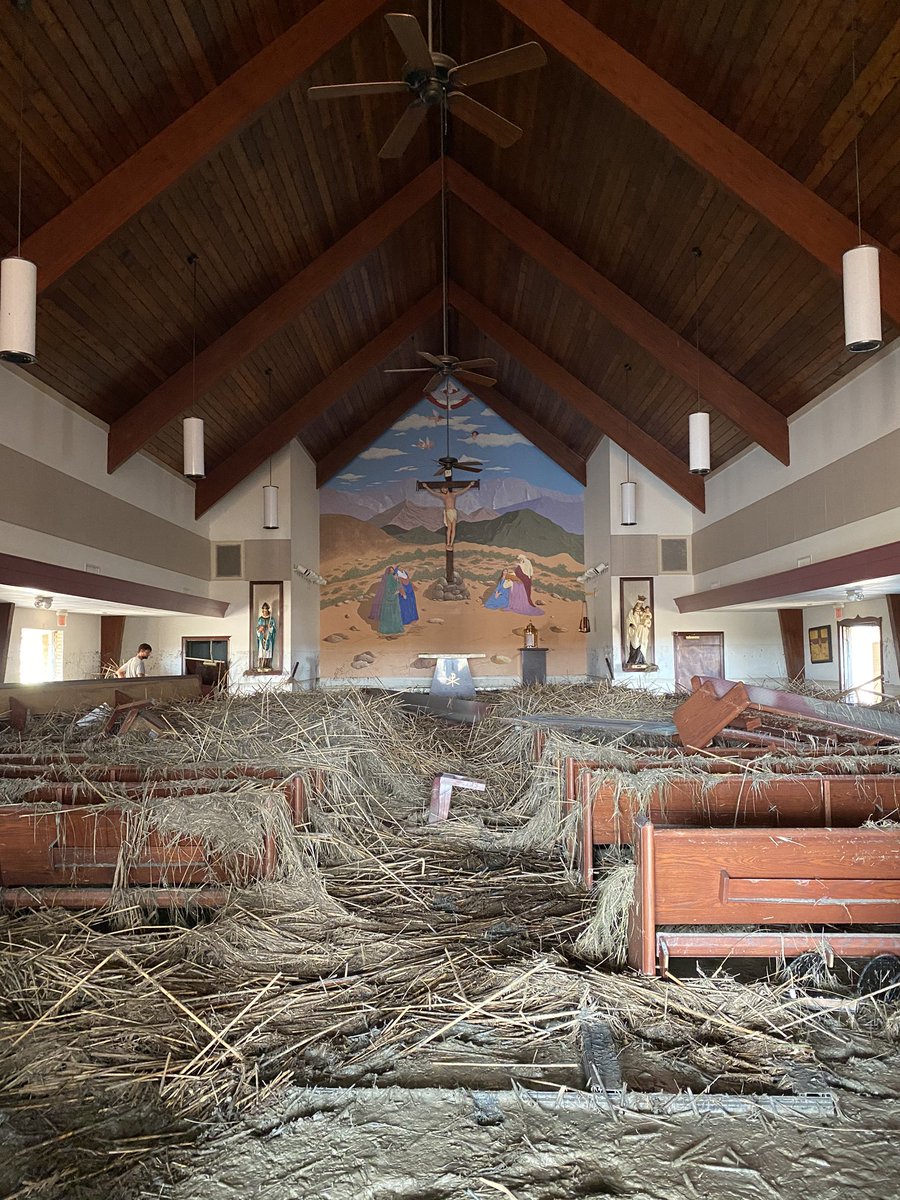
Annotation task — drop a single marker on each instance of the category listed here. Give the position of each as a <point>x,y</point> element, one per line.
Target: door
<point>860,660</point>
<point>698,654</point>
<point>206,657</point>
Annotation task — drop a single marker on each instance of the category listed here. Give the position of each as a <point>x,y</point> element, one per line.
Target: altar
<point>452,676</point>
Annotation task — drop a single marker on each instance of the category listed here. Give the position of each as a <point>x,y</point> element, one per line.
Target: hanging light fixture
<point>584,625</point>
<point>194,464</point>
<point>18,276</point>
<point>698,422</point>
<point>270,490</point>
<point>862,287</point>
<point>628,489</point>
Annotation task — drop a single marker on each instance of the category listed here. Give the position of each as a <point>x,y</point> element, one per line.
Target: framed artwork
<point>636,617</point>
<point>820,644</point>
<point>266,612</point>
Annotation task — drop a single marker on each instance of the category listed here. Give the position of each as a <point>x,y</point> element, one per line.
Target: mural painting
<point>420,557</point>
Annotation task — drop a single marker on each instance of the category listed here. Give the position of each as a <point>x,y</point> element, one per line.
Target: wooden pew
<point>17,701</point>
<point>762,877</point>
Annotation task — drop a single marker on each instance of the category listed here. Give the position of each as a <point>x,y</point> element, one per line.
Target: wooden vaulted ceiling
<point>157,130</point>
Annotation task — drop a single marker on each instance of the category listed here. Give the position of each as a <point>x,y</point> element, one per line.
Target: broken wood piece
<point>706,713</point>
<point>443,785</point>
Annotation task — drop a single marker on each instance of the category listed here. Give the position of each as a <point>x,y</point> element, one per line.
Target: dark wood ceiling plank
<point>656,458</point>
<point>573,464</point>
<point>742,406</point>
<point>113,200</point>
<point>138,424</point>
<point>785,202</point>
<point>276,435</point>
<point>364,435</point>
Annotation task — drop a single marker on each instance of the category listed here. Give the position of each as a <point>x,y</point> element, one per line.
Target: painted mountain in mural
<point>524,530</point>
<point>567,512</point>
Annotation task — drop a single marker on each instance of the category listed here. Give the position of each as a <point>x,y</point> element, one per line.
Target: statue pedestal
<point>534,665</point>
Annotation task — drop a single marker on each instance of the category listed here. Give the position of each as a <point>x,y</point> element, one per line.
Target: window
<point>41,656</point>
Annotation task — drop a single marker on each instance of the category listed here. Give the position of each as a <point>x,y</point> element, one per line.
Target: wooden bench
<point>17,701</point>
<point>762,877</point>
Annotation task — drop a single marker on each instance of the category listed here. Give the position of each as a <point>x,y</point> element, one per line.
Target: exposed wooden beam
<point>785,202</point>
<point>573,464</point>
<point>765,424</point>
<point>655,457</point>
<point>113,200</point>
<point>856,568</point>
<point>66,581</point>
<point>271,439</point>
<point>363,437</point>
<point>165,403</point>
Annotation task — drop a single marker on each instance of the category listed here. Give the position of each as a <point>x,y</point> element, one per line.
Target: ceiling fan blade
<point>491,124</point>
<point>474,377</point>
<point>495,66</point>
<point>432,358</point>
<point>405,370</point>
<point>404,131</point>
<point>336,91</point>
<point>473,467</point>
<point>469,363</point>
<point>433,382</point>
<point>408,32</point>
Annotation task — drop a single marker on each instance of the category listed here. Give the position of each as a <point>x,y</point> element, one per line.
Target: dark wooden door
<point>698,654</point>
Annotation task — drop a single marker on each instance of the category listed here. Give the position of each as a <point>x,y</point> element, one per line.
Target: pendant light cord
<point>269,400</point>
<point>21,129</point>
<point>627,370</point>
<point>855,35</point>
<point>192,261</point>
<point>697,253</point>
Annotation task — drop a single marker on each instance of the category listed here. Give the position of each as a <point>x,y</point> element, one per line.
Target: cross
<point>444,491</point>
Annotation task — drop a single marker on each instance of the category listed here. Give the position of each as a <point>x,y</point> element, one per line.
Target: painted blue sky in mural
<point>516,474</point>
<point>414,443</point>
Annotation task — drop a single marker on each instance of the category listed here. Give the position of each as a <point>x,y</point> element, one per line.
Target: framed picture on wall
<point>266,613</point>
<point>820,644</point>
<point>637,619</point>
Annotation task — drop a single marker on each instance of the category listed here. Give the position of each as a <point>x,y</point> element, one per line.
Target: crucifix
<point>446,492</point>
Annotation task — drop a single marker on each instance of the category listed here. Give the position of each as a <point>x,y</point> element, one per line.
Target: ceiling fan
<point>435,80</point>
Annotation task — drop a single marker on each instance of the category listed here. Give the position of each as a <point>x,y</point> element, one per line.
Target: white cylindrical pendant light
<point>18,309</point>
<point>862,299</point>
<point>270,506</point>
<point>628,493</point>
<point>193,448</point>
<point>698,431</point>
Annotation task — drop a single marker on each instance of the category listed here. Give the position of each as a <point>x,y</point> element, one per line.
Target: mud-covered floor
<point>380,1020</point>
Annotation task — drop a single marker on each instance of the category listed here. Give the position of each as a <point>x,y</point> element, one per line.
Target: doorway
<point>860,660</point>
<point>698,654</point>
<point>40,656</point>
<point>206,657</point>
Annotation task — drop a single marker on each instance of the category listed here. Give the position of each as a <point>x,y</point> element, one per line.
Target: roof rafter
<point>785,203</point>
<point>765,424</point>
<point>300,414</point>
<point>640,445</point>
<point>192,137</point>
<point>175,394</point>
<point>573,464</point>
<point>363,437</point>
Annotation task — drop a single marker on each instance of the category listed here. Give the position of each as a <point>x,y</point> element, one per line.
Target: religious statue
<point>266,629</point>
<point>640,621</point>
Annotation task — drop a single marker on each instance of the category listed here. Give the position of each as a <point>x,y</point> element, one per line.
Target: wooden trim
<point>656,458</point>
<point>874,563</point>
<point>7,612</point>
<point>64,581</point>
<point>892,599</point>
<point>277,434</point>
<point>363,437</point>
<point>790,622</point>
<point>749,412</point>
<point>112,629</point>
<point>104,208</point>
<point>783,201</point>
<point>145,419</point>
<point>573,464</point>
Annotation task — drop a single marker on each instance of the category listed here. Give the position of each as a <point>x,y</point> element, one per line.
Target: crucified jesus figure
<point>447,495</point>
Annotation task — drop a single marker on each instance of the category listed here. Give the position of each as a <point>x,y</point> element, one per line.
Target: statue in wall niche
<point>640,621</point>
<point>266,629</point>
